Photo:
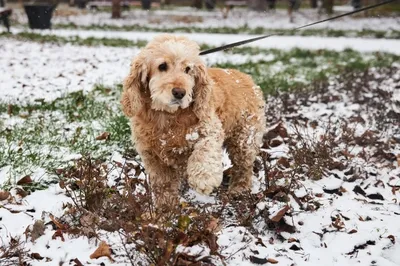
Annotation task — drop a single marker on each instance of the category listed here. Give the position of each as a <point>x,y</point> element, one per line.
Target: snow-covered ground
<point>188,17</point>
<point>277,42</point>
<point>349,217</point>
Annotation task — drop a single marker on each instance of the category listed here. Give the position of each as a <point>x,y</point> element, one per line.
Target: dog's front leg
<point>204,167</point>
<point>163,179</point>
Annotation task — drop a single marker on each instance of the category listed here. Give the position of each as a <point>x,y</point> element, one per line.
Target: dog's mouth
<point>175,102</point>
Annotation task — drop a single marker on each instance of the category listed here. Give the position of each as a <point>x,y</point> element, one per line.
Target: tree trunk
<point>313,3</point>
<point>258,5</point>
<point>328,6</point>
<point>116,9</point>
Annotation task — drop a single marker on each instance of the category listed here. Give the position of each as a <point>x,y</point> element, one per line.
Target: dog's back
<point>237,99</point>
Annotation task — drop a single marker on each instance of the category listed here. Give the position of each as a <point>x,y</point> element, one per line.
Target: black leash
<point>235,44</point>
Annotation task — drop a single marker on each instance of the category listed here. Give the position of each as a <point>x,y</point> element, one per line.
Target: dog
<point>183,114</point>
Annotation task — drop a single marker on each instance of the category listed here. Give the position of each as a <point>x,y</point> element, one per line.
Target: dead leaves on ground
<point>103,136</point>
<point>103,250</point>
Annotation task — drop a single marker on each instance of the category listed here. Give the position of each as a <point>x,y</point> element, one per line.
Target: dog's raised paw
<point>204,186</point>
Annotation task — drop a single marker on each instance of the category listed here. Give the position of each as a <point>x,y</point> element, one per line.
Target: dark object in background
<point>39,15</point>
<point>356,4</point>
<point>314,3</point>
<point>4,14</point>
<point>210,4</point>
<point>81,3</point>
<point>197,4</point>
<point>271,4</point>
<point>146,4</point>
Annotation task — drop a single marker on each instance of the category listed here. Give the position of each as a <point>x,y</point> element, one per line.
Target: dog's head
<point>168,74</point>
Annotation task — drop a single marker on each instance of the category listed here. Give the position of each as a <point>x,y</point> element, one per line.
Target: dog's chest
<point>172,143</point>
<point>177,144</point>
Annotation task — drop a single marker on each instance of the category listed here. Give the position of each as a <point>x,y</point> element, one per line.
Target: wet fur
<point>221,108</point>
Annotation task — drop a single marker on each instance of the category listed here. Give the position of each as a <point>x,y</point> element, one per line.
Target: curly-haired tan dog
<point>183,113</point>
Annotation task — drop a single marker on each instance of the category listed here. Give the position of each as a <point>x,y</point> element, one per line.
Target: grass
<point>45,132</point>
<point>38,136</point>
<point>245,29</point>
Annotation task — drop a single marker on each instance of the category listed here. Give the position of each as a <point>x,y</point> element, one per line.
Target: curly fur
<point>184,138</point>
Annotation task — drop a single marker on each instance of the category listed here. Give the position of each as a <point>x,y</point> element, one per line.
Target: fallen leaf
<point>278,216</point>
<point>36,256</point>
<point>58,224</point>
<point>272,261</point>
<point>103,136</point>
<point>283,162</point>
<point>4,195</point>
<point>352,231</point>
<point>103,250</point>
<point>58,233</point>
<point>25,180</point>
<point>338,223</point>
<point>213,225</point>
<point>20,192</point>
<point>375,196</point>
<point>295,247</point>
<point>257,260</point>
<point>78,262</point>
<point>391,237</point>
<point>292,239</point>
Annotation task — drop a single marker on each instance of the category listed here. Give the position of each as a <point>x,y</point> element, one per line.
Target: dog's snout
<point>178,93</point>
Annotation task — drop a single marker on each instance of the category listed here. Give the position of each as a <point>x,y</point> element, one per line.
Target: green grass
<point>45,132</point>
<point>297,68</point>
<point>366,33</point>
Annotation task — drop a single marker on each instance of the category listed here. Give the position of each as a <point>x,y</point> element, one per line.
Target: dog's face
<point>168,73</point>
<point>172,77</point>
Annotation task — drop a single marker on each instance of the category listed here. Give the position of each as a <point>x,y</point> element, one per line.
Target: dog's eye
<point>163,67</point>
<point>187,69</point>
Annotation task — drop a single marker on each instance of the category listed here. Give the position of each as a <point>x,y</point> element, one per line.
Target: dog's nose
<point>178,93</point>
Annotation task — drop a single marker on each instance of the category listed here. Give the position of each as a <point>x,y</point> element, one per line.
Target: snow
<point>32,71</point>
<point>276,42</point>
<point>187,17</point>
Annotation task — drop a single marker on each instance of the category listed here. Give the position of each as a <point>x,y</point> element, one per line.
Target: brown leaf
<point>4,195</point>
<point>272,261</point>
<point>338,223</point>
<point>103,136</point>
<point>103,250</point>
<point>25,180</point>
<point>59,225</point>
<point>20,192</point>
<point>278,216</point>
<point>257,260</point>
<point>10,109</point>
<point>77,262</point>
<point>292,239</point>
<point>352,231</point>
<point>58,233</point>
<point>391,237</point>
<point>283,162</point>
<point>36,256</point>
<point>213,225</point>
<point>61,184</point>
<point>398,160</point>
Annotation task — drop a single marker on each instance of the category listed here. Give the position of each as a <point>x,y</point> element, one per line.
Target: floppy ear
<point>202,92</point>
<point>134,89</point>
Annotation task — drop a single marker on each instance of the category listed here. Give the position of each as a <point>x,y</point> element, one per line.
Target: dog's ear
<point>135,86</point>
<point>202,92</point>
